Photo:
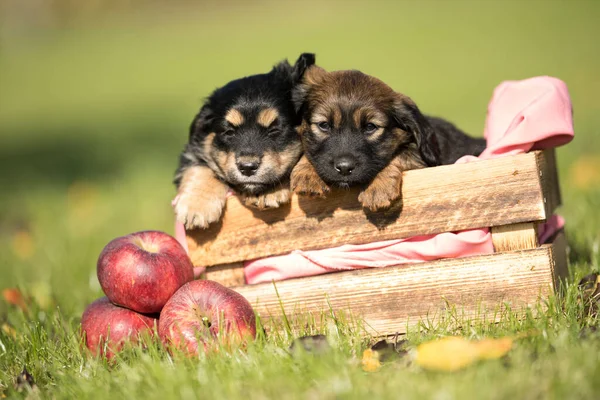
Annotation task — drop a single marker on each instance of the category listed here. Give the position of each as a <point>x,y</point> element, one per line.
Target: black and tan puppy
<point>357,131</point>
<point>243,139</point>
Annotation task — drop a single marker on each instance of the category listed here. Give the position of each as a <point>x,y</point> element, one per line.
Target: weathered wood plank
<point>227,274</point>
<point>549,180</point>
<point>515,237</point>
<point>487,193</point>
<point>393,299</point>
<point>520,236</point>
<point>559,263</point>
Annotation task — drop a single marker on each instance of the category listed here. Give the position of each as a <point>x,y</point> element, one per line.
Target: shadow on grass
<point>58,158</point>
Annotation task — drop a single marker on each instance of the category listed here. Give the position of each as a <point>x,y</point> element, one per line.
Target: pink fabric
<point>525,115</point>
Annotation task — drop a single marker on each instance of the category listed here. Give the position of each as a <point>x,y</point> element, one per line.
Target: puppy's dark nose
<point>345,165</point>
<point>248,168</point>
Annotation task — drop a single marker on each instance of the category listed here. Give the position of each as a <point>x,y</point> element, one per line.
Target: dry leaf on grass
<point>454,353</point>
<point>15,297</point>
<point>370,361</point>
<point>492,349</point>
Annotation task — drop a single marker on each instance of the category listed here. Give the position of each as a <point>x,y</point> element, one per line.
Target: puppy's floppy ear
<point>201,122</point>
<point>408,115</point>
<point>304,61</point>
<point>313,75</point>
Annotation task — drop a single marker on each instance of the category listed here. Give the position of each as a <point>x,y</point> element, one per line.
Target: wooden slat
<point>549,180</point>
<point>515,237</point>
<point>487,193</point>
<point>520,236</point>
<point>393,299</point>
<point>227,274</point>
<point>560,263</point>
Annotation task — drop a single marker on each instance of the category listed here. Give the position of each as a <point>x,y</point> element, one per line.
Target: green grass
<point>93,115</point>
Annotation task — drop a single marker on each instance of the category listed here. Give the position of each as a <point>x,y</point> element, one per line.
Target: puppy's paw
<point>378,197</point>
<point>198,212</point>
<point>305,181</point>
<point>201,198</point>
<point>269,200</point>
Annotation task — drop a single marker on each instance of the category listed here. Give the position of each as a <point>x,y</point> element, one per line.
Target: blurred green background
<point>96,98</point>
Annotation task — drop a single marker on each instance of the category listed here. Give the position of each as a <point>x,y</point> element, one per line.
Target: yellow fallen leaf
<point>447,354</point>
<point>370,361</point>
<point>454,353</point>
<point>491,349</point>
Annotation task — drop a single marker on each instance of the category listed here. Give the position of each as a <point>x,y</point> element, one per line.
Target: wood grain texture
<point>515,237</point>
<point>487,193</point>
<point>560,263</point>
<point>549,180</point>
<point>393,299</point>
<point>227,274</point>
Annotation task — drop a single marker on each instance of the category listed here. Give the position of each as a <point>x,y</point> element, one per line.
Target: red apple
<point>102,321</point>
<point>202,313</point>
<point>142,270</point>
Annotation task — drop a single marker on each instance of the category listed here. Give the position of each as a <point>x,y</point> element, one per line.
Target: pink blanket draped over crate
<point>527,115</point>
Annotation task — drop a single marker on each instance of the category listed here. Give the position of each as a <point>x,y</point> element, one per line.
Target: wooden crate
<point>509,194</point>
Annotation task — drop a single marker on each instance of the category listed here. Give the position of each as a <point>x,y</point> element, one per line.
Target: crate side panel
<point>442,199</point>
<point>393,299</point>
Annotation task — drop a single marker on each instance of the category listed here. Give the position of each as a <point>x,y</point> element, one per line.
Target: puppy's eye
<point>273,132</point>
<point>324,126</point>
<point>228,133</point>
<point>371,128</point>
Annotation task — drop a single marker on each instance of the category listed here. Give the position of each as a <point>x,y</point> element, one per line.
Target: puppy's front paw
<point>201,198</point>
<point>305,181</point>
<point>377,197</point>
<point>266,201</point>
<point>198,212</point>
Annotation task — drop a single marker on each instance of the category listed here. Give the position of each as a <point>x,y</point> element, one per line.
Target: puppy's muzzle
<point>344,165</point>
<point>248,165</point>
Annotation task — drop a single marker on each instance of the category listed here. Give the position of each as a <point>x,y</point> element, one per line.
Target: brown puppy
<point>357,131</point>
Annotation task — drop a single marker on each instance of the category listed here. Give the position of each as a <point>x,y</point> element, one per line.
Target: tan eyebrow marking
<point>267,116</point>
<point>375,135</point>
<point>234,117</point>
<point>357,117</point>
<point>318,118</point>
<point>368,115</point>
<point>319,134</point>
<point>337,117</point>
